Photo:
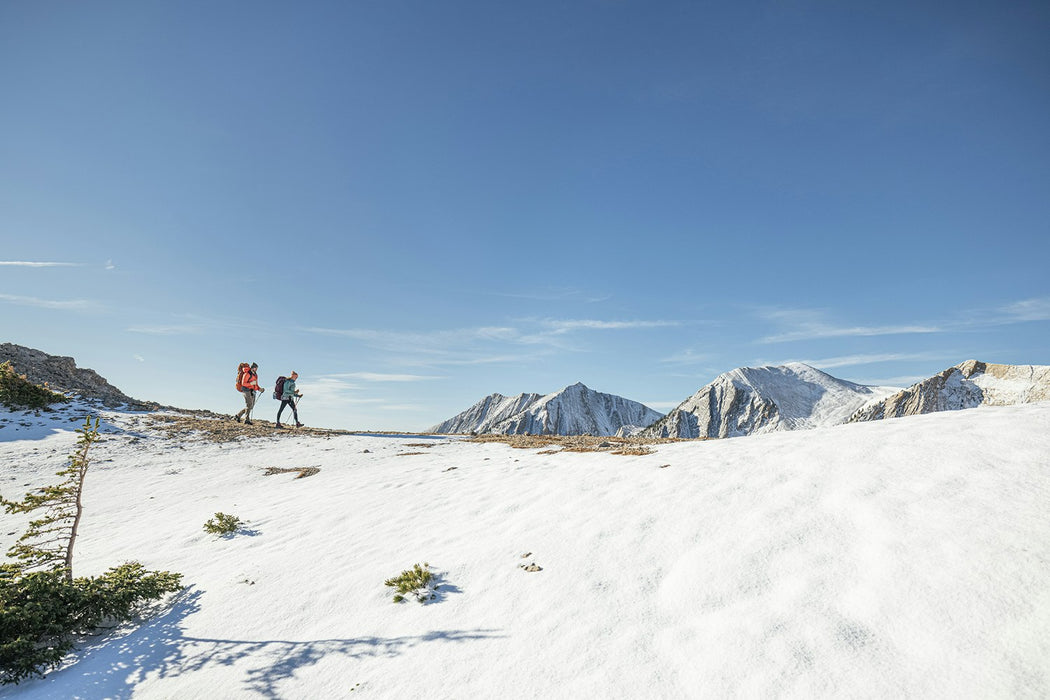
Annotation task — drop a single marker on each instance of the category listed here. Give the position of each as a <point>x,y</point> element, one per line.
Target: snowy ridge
<point>966,385</point>
<point>752,400</point>
<point>575,410</point>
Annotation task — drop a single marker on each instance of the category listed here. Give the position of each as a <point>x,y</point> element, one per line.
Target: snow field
<point>901,558</point>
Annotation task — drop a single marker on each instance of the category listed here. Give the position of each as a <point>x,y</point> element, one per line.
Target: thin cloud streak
<point>23,263</point>
<point>555,295</point>
<point>568,326</point>
<point>174,329</point>
<point>869,359</point>
<point>63,305</point>
<point>381,377</point>
<point>1027,310</point>
<point>686,357</point>
<point>817,332</point>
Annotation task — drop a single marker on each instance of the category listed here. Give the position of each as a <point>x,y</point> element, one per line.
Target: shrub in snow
<point>41,605</point>
<point>223,524</point>
<point>41,611</point>
<point>418,582</point>
<point>18,392</point>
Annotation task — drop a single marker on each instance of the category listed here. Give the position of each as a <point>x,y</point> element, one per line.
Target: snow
<point>904,558</point>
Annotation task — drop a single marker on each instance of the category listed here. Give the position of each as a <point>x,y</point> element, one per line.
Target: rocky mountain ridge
<point>574,410</point>
<point>966,385</point>
<point>62,374</point>
<point>752,400</point>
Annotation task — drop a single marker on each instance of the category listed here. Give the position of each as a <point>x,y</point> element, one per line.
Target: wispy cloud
<point>869,359</point>
<point>822,331</point>
<point>64,305</point>
<point>686,357</point>
<point>809,324</point>
<point>556,294</point>
<point>483,344</point>
<point>381,377</point>
<point>568,326</point>
<point>1027,310</point>
<point>193,324</point>
<point>170,329</point>
<point>24,263</point>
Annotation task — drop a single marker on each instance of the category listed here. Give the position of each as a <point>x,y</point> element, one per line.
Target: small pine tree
<point>41,605</point>
<point>48,543</point>
<point>417,582</point>
<point>223,524</point>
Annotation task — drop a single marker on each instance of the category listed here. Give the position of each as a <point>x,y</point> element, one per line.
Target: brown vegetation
<point>579,443</point>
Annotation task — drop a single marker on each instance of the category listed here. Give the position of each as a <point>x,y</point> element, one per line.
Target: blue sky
<point>415,204</point>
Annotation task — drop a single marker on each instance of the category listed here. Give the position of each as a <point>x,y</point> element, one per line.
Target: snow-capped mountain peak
<point>751,400</point>
<point>574,410</point>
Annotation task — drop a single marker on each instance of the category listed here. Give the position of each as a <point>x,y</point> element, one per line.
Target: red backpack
<point>240,374</point>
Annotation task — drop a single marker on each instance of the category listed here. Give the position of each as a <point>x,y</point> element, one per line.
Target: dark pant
<point>287,402</point>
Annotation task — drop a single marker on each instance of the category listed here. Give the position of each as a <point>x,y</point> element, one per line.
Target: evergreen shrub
<point>18,392</point>
<point>223,524</point>
<point>418,582</point>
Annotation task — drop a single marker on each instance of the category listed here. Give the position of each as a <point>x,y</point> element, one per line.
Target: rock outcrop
<point>575,410</point>
<point>62,374</point>
<point>966,385</point>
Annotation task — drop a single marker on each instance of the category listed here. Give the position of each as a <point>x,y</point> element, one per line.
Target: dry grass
<point>226,430</point>
<point>302,472</point>
<point>578,443</point>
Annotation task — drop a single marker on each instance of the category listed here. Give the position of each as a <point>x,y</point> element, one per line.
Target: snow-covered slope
<point>966,385</point>
<point>575,410</point>
<point>752,400</point>
<point>891,559</point>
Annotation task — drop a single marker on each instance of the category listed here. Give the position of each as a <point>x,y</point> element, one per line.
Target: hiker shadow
<point>114,667</point>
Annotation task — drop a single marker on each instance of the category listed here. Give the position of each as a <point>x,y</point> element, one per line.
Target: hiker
<point>248,385</point>
<point>288,397</point>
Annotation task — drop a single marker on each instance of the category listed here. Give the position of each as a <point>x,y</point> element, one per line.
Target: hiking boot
<point>278,426</point>
<point>298,425</point>
<point>237,418</point>
<point>247,422</point>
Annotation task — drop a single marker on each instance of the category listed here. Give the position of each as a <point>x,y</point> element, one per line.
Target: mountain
<point>575,410</point>
<point>966,385</point>
<point>751,400</point>
<point>62,374</point>
<point>483,416</point>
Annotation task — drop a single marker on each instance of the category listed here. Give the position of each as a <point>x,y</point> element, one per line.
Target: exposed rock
<point>62,374</point>
<point>966,385</point>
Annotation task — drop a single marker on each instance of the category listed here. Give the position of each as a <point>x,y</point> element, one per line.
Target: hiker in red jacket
<point>249,385</point>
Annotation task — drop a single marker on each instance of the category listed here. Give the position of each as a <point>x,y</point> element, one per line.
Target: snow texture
<point>575,410</point>
<point>887,559</point>
<point>755,400</point>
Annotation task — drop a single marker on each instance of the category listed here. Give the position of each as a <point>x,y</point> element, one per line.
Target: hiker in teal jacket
<point>288,397</point>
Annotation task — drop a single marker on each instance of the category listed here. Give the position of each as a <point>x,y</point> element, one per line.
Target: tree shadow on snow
<point>113,667</point>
